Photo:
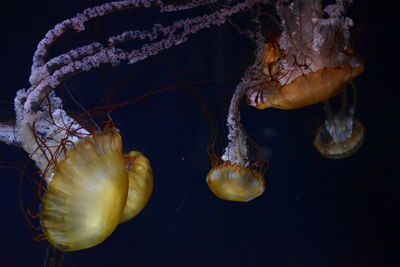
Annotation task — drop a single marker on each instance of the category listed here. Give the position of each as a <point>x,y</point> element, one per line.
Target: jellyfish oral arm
<point>77,22</point>
<point>33,116</point>
<point>309,38</point>
<point>340,126</point>
<point>46,76</point>
<point>22,133</point>
<point>8,134</point>
<point>102,55</point>
<point>43,131</point>
<point>236,151</point>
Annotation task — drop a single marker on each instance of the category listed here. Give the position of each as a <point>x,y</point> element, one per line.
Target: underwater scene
<point>198,133</point>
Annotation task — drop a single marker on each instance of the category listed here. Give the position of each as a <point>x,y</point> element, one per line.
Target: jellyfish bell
<point>310,61</point>
<point>87,195</point>
<point>341,134</point>
<point>339,138</point>
<point>140,184</point>
<point>307,89</point>
<point>233,182</point>
<point>237,175</point>
<point>93,189</point>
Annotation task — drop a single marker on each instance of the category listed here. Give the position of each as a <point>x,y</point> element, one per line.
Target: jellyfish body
<point>341,135</point>
<point>93,189</point>
<point>337,139</point>
<point>85,200</point>
<point>311,60</point>
<point>140,184</point>
<point>237,175</point>
<point>233,182</point>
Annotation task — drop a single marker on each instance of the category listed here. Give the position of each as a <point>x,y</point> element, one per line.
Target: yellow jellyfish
<point>310,61</point>
<point>230,181</point>
<point>92,191</point>
<point>140,184</point>
<point>237,175</point>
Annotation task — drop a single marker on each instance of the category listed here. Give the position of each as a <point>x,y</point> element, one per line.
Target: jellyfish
<point>87,194</point>
<point>92,190</point>
<point>140,177</point>
<point>238,175</point>
<point>310,61</point>
<point>89,186</point>
<point>341,135</point>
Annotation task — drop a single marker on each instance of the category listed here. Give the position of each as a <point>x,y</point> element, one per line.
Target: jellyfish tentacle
<point>236,150</point>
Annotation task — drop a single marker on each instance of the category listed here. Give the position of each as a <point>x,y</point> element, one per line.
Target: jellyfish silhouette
<point>341,135</point>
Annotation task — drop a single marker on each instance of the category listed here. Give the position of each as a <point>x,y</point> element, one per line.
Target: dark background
<point>315,211</point>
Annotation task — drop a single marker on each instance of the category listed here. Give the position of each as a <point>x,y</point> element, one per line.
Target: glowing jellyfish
<point>235,182</point>
<point>140,184</point>
<point>310,61</point>
<point>238,175</point>
<point>87,195</point>
<point>341,135</point>
<point>92,190</point>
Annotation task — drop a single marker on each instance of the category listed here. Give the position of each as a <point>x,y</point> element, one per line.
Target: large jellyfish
<point>92,190</point>
<point>310,61</point>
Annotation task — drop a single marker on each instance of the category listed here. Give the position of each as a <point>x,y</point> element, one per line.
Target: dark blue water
<point>315,211</point>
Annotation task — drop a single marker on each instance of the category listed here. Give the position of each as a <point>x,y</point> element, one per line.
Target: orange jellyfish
<point>312,59</point>
<point>234,181</point>
<point>238,175</point>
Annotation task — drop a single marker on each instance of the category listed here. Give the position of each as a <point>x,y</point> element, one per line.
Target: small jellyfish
<point>234,182</point>
<point>310,61</point>
<point>238,175</point>
<point>341,135</point>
